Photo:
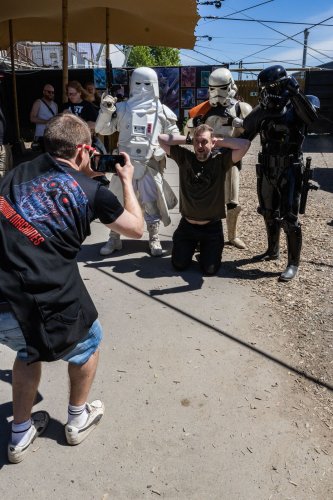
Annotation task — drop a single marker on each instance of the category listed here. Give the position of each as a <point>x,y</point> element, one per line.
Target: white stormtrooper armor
<point>139,121</point>
<point>221,87</point>
<point>225,115</point>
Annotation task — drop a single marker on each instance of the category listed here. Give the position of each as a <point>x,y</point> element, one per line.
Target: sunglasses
<point>88,148</point>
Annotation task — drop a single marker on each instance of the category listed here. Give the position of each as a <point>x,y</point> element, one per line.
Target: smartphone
<point>107,163</point>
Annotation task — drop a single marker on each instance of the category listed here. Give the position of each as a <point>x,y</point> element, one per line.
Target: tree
<point>153,56</point>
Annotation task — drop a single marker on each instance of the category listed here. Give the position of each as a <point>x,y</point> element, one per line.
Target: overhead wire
<point>290,38</point>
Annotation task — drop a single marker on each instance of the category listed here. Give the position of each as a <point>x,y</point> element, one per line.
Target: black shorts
<point>186,238</point>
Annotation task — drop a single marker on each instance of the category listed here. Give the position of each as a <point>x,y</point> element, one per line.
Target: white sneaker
<point>39,422</point>
<point>111,246</point>
<point>75,435</point>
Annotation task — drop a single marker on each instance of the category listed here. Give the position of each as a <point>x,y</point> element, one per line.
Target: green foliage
<point>153,56</point>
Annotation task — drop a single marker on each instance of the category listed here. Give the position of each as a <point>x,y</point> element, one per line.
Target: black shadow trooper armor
<point>225,115</point>
<point>281,119</point>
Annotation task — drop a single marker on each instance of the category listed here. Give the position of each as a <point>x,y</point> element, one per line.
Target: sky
<point>248,41</point>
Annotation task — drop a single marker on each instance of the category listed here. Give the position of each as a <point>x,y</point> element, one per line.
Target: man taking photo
<point>46,313</point>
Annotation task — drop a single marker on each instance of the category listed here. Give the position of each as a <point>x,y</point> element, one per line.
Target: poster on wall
<point>188,76</point>
<point>202,93</point>
<point>168,80</point>
<point>204,77</point>
<point>180,88</point>
<point>99,78</point>
<point>187,98</point>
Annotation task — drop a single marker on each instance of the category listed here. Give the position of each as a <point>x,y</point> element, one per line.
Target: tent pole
<point>107,138</point>
<point>64,49</point>
<point>12,58</point>
<point>107,37</point>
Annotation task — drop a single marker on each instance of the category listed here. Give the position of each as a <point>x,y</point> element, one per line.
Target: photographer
<point>46,313</point>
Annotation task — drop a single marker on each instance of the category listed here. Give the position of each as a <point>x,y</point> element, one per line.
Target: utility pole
<point>240,74</point>
<point>127,51</point>
<point>305,49</point>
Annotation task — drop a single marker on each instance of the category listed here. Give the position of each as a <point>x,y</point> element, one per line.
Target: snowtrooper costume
<point>139,121</point>
<point>225,115</point>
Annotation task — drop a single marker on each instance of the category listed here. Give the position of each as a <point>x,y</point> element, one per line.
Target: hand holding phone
<point>107,163</point>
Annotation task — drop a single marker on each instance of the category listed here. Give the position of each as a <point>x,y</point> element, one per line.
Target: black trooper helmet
<point>272,83</point>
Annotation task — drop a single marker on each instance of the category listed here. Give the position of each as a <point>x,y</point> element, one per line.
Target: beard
<point>202,155</point>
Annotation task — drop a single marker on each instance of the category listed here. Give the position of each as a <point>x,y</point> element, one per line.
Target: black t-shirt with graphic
<point>84,109</point>
<point>45,213</point>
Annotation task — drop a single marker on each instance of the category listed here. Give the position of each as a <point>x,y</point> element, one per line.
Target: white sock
<point>77,415</point>
<point>21,433</point>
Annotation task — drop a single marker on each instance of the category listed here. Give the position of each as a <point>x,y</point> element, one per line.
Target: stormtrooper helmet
<point>144,82</point>
<point>273,91</point>
<point>222,87</point>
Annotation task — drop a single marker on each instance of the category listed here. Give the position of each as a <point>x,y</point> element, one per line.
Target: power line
<point>290,38</point>
<point>226,18</point>
<point>243,10</point>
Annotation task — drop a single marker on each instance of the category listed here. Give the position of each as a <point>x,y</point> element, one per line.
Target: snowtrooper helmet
<point>273,91</point>
<point>144,82</point>
<point>222,87</point>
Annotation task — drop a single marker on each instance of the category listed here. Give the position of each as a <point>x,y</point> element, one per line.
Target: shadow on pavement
<point>6,411</point>
<point>213,328</point>
<point>324,177</point>
<point>147,267</point>
<point>231,269</point>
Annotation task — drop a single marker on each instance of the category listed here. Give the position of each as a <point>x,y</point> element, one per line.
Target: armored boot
<point>114,243</point>
<point>273,229</point>
<point>154,242</point>
<point>232,223</point>
<point>294,244</point>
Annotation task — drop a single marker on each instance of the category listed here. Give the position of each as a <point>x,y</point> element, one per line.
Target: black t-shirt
<point>201,184</point>
<point>45,213</point>
<point>84,109</point>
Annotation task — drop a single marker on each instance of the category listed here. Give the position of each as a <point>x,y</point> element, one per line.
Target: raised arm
<point>167,140</point>
<point>105,125</point>
<point>238,146</point>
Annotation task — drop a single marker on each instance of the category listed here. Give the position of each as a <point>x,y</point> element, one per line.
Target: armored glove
<point>292,86</point>
<point>108,103</point>
<point>237,122</point>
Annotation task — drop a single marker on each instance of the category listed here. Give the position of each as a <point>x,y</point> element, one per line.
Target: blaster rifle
<point>308,183</point>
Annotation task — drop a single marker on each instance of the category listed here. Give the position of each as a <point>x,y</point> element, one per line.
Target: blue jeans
<point>11,335</point>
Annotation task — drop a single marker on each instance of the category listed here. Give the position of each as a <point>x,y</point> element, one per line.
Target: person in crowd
<point>201,189</point>
<point>93,96</point>
<point>225,115</point>
<point>46,314</point>
<point>139,120</point>
<point>41,112</point>
<point>281,119</point>
<point>79,104</point>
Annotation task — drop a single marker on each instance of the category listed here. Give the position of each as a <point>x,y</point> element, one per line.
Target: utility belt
<point>278,162</point>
